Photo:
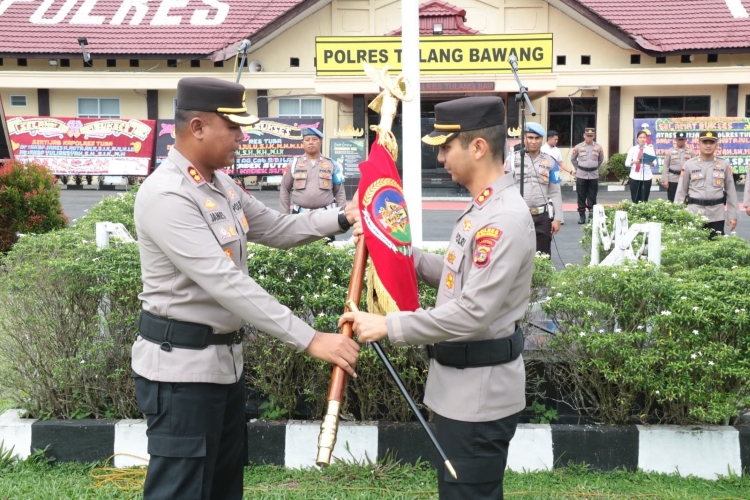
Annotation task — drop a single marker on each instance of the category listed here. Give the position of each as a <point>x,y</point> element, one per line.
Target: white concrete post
<point>411,118</point>
<point>102,235</point>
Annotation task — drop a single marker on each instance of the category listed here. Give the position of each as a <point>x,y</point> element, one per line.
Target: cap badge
<point>197,177</point>
<point>709,134</point>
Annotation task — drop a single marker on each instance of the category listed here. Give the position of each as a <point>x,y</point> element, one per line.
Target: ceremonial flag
<point>392,278</point>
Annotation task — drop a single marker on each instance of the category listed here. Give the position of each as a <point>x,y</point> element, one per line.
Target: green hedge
<point>670,344</point>
<point>635,343</point>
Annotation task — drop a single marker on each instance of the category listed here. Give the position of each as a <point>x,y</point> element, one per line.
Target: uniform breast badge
<point>451,257</point>
<point>485,239</point>
<point>209,204</point>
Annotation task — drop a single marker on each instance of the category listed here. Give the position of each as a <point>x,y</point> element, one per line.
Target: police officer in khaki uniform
<point>193,224</point>
<point>674,159</point>
<point>309,182</point>
<point>541,194</point>
<point>587,157</point>
<point>475,384</point>
<point>707,184</point>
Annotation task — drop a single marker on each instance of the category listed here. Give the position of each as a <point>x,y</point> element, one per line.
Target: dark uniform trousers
<point>543,228</point>
<point>716,227</point>
<point>479,453</point>
<point>640,190</point>
<point>188,423</point>
<point>587,190</point>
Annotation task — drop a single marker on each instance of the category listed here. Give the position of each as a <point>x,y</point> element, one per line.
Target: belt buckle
<point>534,211</point>
<point>238,335</point>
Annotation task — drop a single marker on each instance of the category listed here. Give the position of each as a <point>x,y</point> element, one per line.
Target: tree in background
<point>29,201</point>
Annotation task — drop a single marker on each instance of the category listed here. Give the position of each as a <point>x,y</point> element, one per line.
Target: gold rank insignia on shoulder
<point>197,177</point>
<point>451,257</point>
<point>209,204</point>
<point>449,281</point>
<point>485,194</point>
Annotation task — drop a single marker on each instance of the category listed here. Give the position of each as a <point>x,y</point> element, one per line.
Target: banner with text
<point>734,137</point>
<point>267,147</point>
<point>460,54</point>
<point>348,154</point>
<point>84,146</point>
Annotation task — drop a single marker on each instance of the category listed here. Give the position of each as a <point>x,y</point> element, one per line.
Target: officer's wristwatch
<point>343,221</point>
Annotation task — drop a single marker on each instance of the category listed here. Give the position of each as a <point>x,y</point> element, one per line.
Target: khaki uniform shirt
<point>192,237</point>
<point>484,283</point>
<point>311,186</point>
<point>537,187</point>
<point>707,180</point>
<point>673,162</point>
<point>587,156</point>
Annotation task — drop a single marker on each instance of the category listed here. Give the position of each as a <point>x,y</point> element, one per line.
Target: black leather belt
<point>171,333</point>
<point>476,354</point>
<point>675,172</point>
<point>706,203</point>
<point>587,169</point>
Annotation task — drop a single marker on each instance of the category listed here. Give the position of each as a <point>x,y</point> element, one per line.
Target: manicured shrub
<point>29,201</point>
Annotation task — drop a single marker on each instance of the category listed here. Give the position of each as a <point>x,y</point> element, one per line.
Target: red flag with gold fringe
<point>392,279</point>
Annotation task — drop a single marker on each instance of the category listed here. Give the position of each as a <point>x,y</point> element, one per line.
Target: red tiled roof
<point>146,28</point>
<point>677,25</point>
<point>439,12</point>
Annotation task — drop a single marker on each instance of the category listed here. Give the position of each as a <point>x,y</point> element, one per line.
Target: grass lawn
<point>34,479</point>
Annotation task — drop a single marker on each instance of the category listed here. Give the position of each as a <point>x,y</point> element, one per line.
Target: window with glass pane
<point>300,108</point>
<point>288,108</point>
<point>311,108</point>
<point>571,115</point>
<point>109,108</point>
<point>18,100</point>
<point>672,107</point>
<point>92,107</point>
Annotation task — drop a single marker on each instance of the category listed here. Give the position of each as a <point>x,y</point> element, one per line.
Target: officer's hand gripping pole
<point>388,366</point>
<point>329,427</point>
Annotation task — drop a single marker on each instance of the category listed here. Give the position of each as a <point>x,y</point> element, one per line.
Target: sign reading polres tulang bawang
<point>83,146</point>
<point>446,54</point>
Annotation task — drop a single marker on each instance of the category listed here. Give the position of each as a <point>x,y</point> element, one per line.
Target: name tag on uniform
<point>300,175</point>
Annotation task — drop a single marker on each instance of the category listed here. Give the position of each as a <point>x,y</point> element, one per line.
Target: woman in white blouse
<point>640,173</point>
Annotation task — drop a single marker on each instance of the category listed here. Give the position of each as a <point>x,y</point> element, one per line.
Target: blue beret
<point>311,131</point>
<point>535,128</point>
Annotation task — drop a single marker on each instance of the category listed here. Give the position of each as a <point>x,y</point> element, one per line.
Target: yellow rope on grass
<point>128,480</point>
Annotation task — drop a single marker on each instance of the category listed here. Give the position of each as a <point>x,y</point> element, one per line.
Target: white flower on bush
<point>640,327</point>
<point>321,314</point>
<point>308,275</point>
<point>693,356</point>
<point>582,334</point>
<point>657,392</point>
<point>614,275</point>
<point>325,276</point>
<point>618,330</point>
<point>580,292</point>
<point>695,332</point>
<point>734,267</point>
<point>683,298</point>
<point>589,313</point>
<point>601,331</point>
<point>666,313</point>
<point>289,280</point>
<point>710,363</point>
<point>695,308</point>
<point>558,294</point>
<point>316,296</point>
<point>736,311</point>
<point>679,279</point>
